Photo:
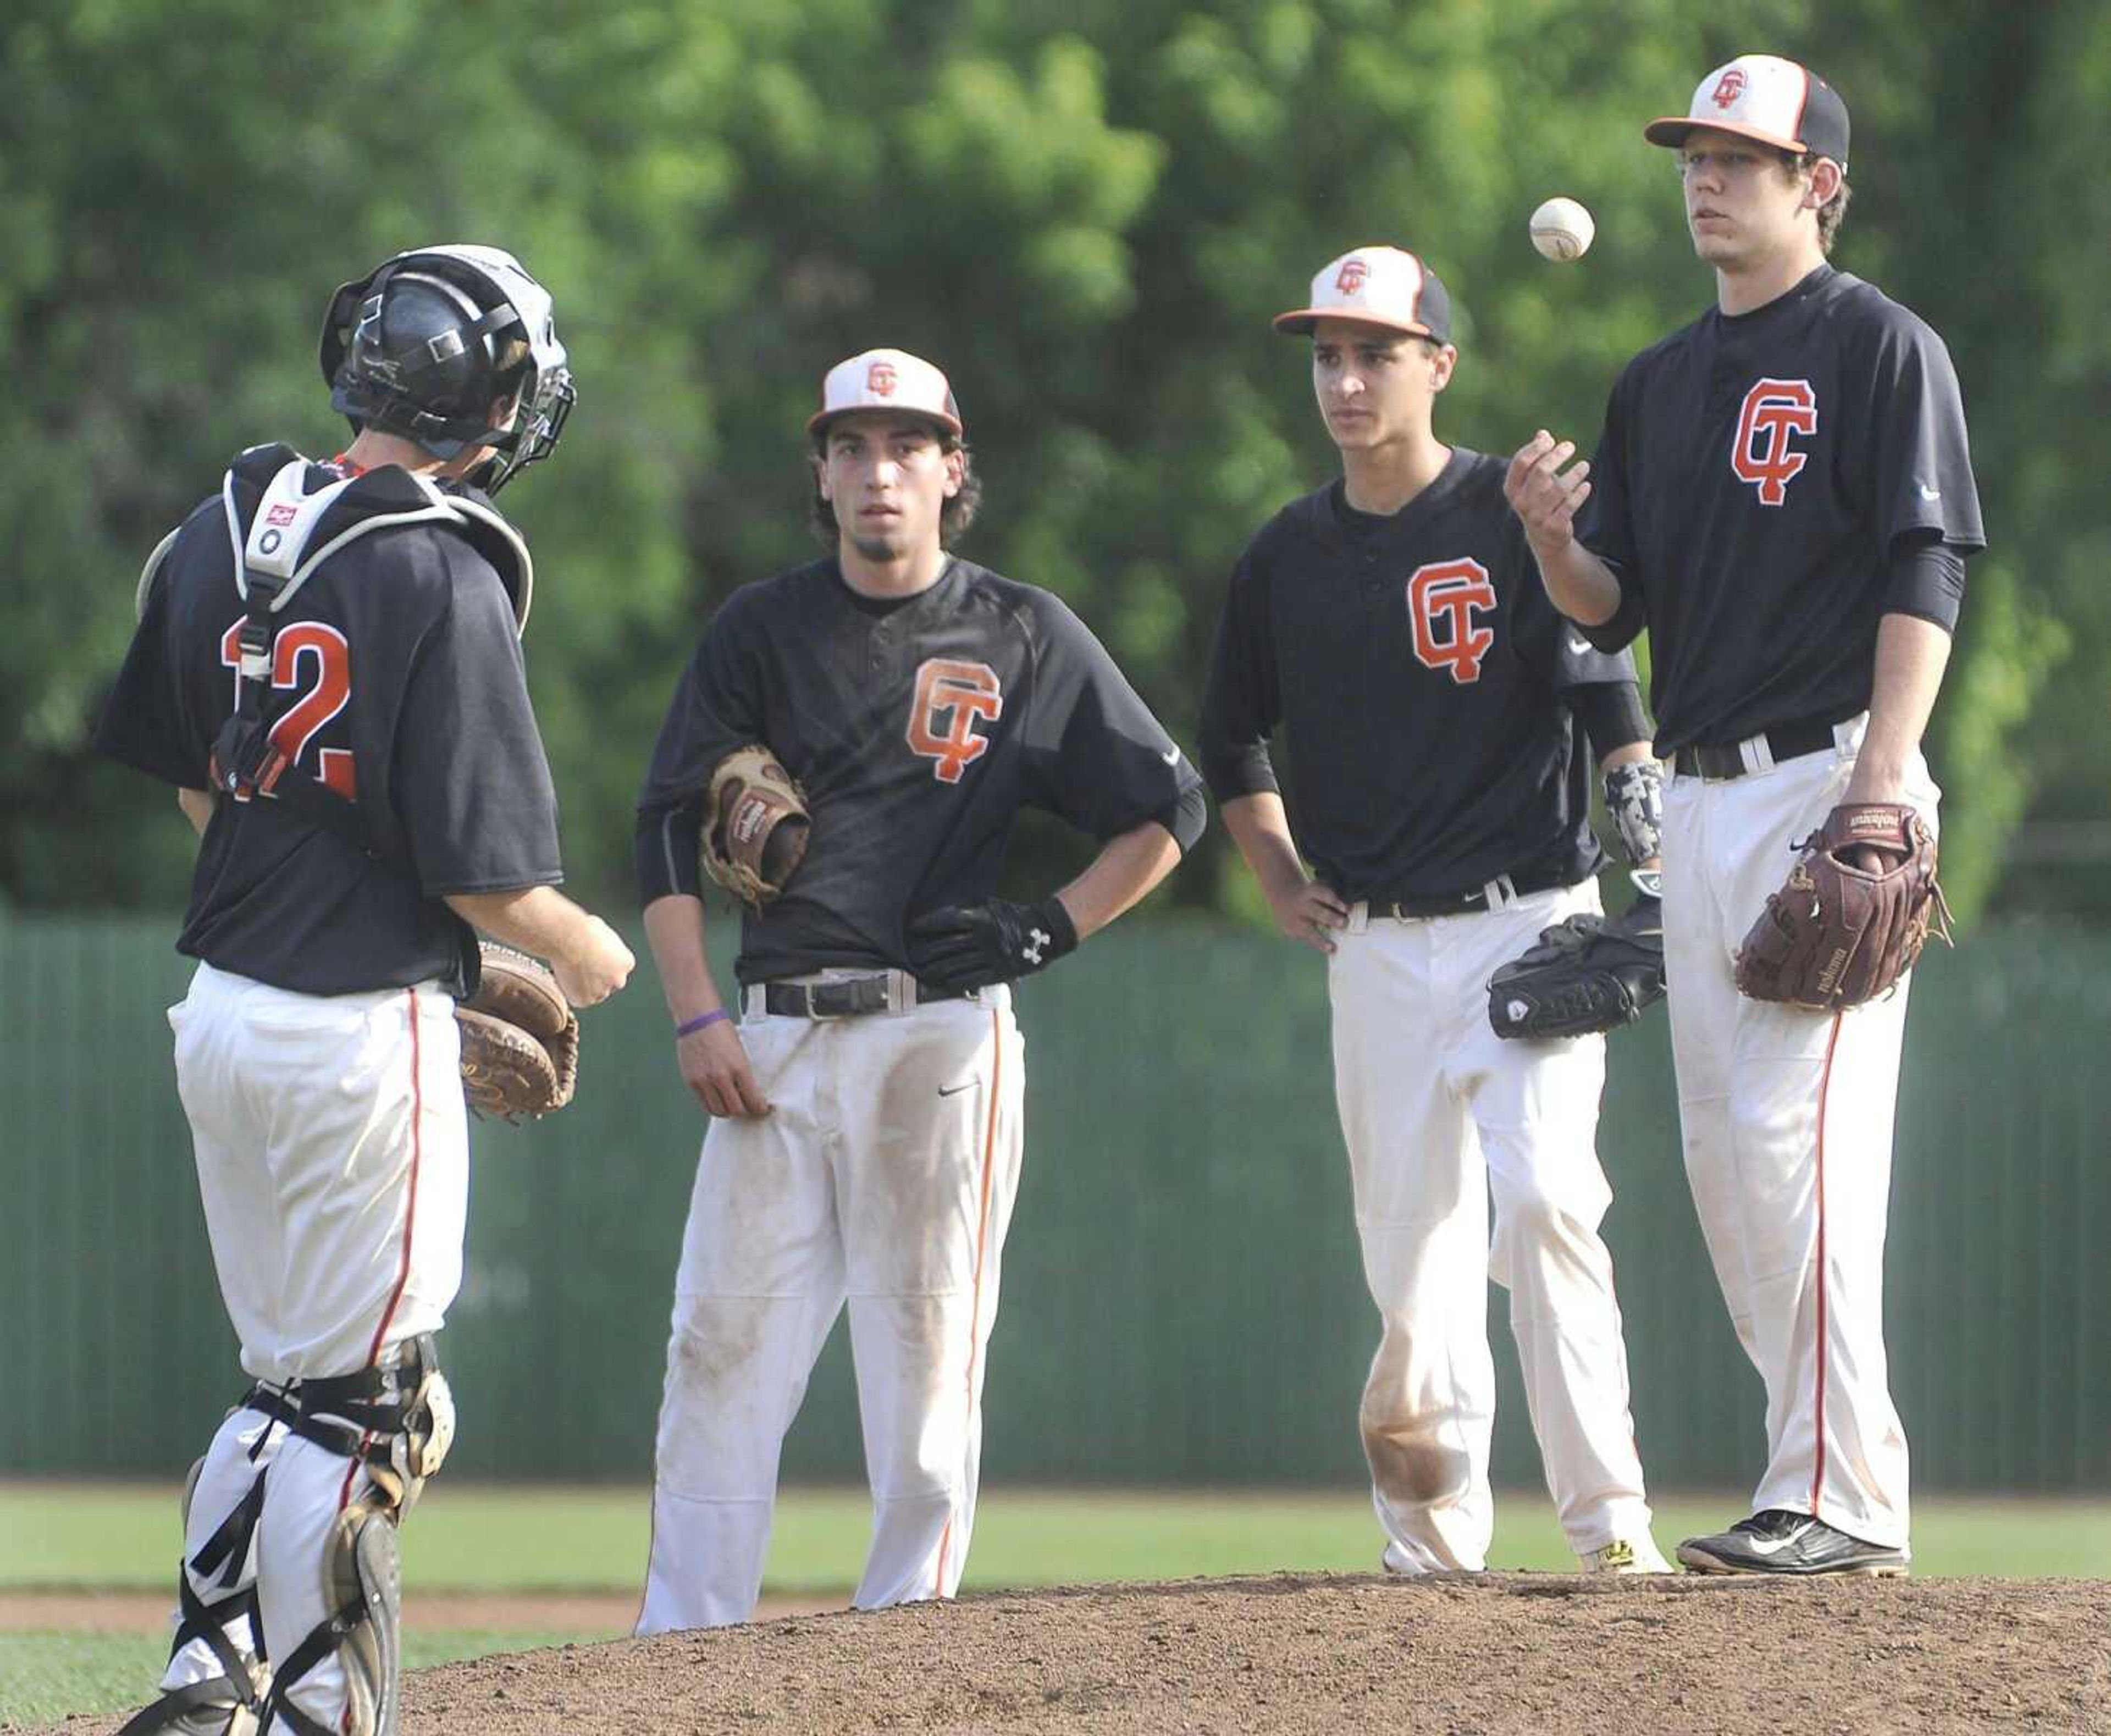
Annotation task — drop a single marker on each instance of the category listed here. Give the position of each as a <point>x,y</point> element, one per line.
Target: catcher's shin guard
<point>363,1591</point>
<point>225,1704</point>
<point>398,1422</point>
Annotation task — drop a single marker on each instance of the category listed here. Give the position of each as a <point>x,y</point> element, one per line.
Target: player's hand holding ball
<point>1562,230</point>
<point>971,945</point>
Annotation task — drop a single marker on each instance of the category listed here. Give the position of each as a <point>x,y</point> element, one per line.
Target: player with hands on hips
<point>866,1082</point>
<point>1782,495</point>
<point>1437,709</point>
<point>328,668</point>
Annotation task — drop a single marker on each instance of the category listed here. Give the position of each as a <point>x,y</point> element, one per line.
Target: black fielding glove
<point>970,945</point>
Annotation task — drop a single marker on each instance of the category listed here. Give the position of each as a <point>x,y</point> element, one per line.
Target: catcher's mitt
<point>1585,974</point>
<point>756,825</point>
<point>519,1037</point>
<point>1837,934</point>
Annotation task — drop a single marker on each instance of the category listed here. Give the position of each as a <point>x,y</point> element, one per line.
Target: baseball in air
<point>1562,230</point>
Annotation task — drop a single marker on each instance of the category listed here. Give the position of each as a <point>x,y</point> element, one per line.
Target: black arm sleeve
<point>1188,817</point>
<point>1605,526</point>
<point>1611,714</point>
<point>664,851</point>
<point>1241,703</point>
<point>713,711</point>
<point>1926,580</point>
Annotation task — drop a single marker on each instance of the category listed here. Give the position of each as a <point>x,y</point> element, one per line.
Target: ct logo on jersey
<point>1774,410</point>
<point>1442,601</point>
<point>958,695</point>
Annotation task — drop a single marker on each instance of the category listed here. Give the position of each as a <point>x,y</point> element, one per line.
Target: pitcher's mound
<point>1534,1653</point>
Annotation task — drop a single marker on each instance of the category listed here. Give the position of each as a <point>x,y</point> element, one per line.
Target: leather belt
<point>1419,908</point>
<point>848,997</point>
<point>1790,741</point>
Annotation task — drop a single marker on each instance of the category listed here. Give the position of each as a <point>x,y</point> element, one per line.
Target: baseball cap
<point>1762,97</point>
<point>1377,286</point>
<point>886,379</point>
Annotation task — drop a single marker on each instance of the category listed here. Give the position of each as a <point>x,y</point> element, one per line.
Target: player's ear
<point>1826,176</point>
<point>1443,358</point>
<point>957,470</point>
<point>819,463</point>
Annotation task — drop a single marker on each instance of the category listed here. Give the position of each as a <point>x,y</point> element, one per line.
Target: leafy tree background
<point>1087,212</point>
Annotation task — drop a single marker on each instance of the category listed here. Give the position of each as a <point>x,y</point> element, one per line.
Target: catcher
<point>378,793</point>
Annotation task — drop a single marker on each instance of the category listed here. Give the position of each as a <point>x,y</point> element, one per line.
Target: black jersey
<point>398,684</point>
<point>1756,476</point>
<point>1419,673</point>
<point>918,730</point>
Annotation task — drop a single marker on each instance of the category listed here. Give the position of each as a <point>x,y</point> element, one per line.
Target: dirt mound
<point>1497,1652</point>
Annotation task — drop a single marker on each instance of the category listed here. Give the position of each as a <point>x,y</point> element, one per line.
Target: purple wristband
<point>689,1028</point>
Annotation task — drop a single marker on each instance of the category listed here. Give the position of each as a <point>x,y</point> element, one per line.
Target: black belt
<point>1790,741</point>
<point>846,999</point>
<point>1463,903</point>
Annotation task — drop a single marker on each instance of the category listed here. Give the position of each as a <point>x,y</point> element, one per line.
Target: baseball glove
<point>756,825</point>
<point>519,1037</point>
<point>1837,935</point>
<point>1587,974</point>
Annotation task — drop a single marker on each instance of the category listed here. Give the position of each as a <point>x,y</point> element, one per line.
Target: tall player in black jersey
<point>1783,496</point>
<point>1392,625</point>
<point>869,1097</point>
<point>327,667</point>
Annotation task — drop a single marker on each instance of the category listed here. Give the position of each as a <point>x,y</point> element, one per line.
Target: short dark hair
<point>1798,167</point>
<point>954,518</point>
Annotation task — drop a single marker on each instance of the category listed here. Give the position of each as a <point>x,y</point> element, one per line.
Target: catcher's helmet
<point>427,342</point>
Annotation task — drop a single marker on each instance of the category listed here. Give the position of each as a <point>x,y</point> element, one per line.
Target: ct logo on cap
<point>1729,88</point>
<point>880,379</point>
<point>1353,273</point>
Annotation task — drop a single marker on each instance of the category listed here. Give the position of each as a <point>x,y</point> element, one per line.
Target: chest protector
<point>285,517</point>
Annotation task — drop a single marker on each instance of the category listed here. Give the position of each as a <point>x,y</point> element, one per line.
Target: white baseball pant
<point>1438,1112</point>
<point>332,1142</point>
<point>884,1174</point>
<point>1787,1117</point>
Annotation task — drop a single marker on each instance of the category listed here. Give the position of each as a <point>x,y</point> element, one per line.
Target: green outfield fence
<point>1183,1301</point>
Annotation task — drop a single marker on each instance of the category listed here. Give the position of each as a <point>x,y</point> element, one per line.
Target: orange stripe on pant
<point>981,1239</point>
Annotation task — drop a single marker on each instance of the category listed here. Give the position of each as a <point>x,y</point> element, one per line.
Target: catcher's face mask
<point>427,343</point>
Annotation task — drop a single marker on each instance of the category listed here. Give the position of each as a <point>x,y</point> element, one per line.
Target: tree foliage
<point>1086,211</point>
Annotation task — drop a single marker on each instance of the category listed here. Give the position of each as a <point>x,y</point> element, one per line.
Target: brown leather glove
<point>756,825</point>
<point>1837,935</point>
<point>519,1037</point>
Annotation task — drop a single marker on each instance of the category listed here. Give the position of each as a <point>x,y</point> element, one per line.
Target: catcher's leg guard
<point>227,1704</point>
<point>363,1590</point>
<point>397,1423</point>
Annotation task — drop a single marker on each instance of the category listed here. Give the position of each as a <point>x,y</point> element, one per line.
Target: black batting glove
<point>970,945</point>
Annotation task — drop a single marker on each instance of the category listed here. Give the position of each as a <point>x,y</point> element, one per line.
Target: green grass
<point>71,1537</point>
<point>44,1676</point>
<point>488,1538</point>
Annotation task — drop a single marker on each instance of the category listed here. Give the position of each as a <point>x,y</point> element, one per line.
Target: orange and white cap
<point>1764,97</point>
<point>886,379</point>
<point>1376,286</point>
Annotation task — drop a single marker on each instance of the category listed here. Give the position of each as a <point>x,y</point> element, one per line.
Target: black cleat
<point>1778,1541</point>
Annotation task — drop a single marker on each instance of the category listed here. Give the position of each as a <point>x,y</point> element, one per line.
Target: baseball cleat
<point>1778,1541</point>
<point>1626,1555</point>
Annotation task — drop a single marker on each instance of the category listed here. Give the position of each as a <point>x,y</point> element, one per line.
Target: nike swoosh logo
<point>955,1090</point>
<point>1171,756</point>
<point>1774,1545</point>
<point>1581,647</point>
<point>1928,494</point>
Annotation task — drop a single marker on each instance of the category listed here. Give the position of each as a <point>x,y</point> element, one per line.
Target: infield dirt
<point>1496,1653</point>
